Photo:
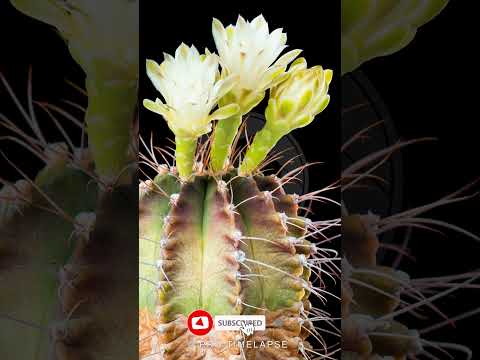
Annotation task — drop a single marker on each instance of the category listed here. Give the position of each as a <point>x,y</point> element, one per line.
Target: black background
<point>431,89</point>
<point>29,43</point>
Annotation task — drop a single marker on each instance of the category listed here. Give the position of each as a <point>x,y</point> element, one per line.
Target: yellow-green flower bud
<point>293,104</point>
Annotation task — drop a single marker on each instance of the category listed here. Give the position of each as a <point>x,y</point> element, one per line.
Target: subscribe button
<point>200,323</point>
<point>246,323</point>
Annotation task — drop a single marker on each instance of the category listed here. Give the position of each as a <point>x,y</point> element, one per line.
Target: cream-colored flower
<point>191,89</point>
<point>250,51</point>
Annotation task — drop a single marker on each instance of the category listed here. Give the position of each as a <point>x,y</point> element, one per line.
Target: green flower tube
<point>110,112</point>
<point>265,141</point>
<point>185,155</point>
<point>225,133</point>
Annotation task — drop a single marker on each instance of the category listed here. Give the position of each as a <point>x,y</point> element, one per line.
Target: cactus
<point>54,256</point>
<point>221,235</point>
<point>29,261</point>
<point>378,298</point>
<point>67,272</point>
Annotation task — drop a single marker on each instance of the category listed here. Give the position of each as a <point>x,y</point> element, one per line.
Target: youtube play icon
<point>200,322</point>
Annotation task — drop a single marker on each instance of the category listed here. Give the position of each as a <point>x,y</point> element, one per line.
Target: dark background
<point>29,43</point>
<point>430,89</point>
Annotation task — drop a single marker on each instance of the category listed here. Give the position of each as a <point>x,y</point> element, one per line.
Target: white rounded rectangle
<point>246,323</point>
<point>200,323</point>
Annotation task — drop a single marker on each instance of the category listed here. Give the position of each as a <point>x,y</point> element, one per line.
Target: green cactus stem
<point>225,133</point>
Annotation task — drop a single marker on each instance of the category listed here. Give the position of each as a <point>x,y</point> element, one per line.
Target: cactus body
<point>36,244</point>
<point>223,246</point>
<point>370,292</point>
<point>61,299</point>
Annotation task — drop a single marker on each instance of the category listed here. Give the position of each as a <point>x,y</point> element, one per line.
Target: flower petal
<point>182,51</point>
<point>154,72</point>
<point>288,57</point>
<point>298,64</point>
<point>168,57</point>
<point>219,36</point>
<point>278,80</point>
<point>261,25</point>
<point>268,78</point>
<point>230,30</point>
<point>156,107</point>
<point>241,23</point>
<point>223,86</point>
<point>328,76</point>
<point>225,112</point>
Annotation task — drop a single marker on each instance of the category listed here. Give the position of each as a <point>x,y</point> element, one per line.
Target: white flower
<point>250,51</point>
<point>191,89</point>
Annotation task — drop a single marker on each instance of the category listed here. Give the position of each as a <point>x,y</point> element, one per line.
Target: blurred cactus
<point>59,234</point>
<point>372,28</point>
<point>378,299</point>
<point>103,38</point>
